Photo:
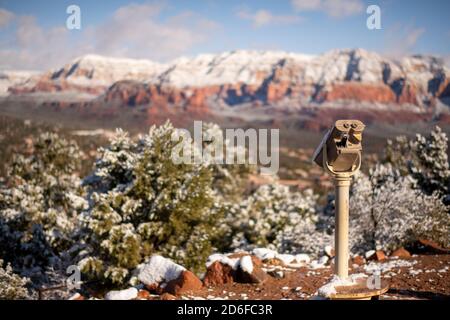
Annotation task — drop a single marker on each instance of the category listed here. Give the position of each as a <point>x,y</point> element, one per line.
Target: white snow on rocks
<point>10,78</point>
<point>159,270</point>
<point>264,253</point>
<point>289,260</point>
<point>329,250</point>
<point>369,253</point>
<point>240,66</point>
<point>224,259</point>
<point>127,294</point>
<point>98,70</point>
<point>246,264</point>
<point>318,264</point>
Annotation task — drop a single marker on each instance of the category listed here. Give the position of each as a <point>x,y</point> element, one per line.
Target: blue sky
<point>33,34</point>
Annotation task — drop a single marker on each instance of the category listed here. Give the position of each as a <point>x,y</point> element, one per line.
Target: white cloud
<point>401,40</point>
<point>333,8</point>
<point>33,47</point>
<point>5,17</point>
<point>306,5</point>
<point>263,17</point>
<point>134,30</point>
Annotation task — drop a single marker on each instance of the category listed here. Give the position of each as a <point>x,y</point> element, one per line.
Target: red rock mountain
<point>350,78</point>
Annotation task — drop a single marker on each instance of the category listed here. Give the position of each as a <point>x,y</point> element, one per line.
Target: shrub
<point>425,158</point>
<point>276,218</point>
<point>387,211</point>
<point>12,286</point>
<point>39,203</point>
<point>142,203</point>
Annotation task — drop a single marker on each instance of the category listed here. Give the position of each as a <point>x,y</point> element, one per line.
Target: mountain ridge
<point>342,76</point>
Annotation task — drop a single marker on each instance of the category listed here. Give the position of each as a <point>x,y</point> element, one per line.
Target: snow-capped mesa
<point>343,77</point>
<point>98,70</point>
<point>241,66</point>
<point>10,78</point>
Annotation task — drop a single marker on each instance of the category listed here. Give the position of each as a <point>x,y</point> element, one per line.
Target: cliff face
<point>255,78</point>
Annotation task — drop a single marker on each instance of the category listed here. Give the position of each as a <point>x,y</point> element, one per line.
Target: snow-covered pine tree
<point>39,203</point>
<point>229,180</point>
<point>142,203</point>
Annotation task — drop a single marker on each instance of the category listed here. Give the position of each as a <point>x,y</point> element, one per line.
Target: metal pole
<point>342,187</point>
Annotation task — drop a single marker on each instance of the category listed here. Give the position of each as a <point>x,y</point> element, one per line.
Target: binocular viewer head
<point>341,146</point>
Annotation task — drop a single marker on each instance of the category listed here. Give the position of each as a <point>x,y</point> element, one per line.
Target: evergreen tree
<point>142,203</point>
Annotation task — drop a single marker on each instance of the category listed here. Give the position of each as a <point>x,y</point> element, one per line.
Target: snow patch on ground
<point>127,294</point>
<point>374,267</point>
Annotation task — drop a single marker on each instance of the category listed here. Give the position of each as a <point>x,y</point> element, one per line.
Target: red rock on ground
<point>257,275</point>
<point>274,262</point>
<point>218,274</point>
<point>358,260</point>
<point>401,253</point>
<point>167,296</point>
<point>153,288</point>
<point>143,294</point>
<point>378,256</point>
<point>433,247</point>
<point>186,282</point>
<point>77,296</point>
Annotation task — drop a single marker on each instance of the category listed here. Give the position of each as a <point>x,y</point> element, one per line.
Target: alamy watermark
<point>373,21</point>
<point>73,21</point>
<point>73,281</point>
<point>238,146</point>
<point>374,281</point>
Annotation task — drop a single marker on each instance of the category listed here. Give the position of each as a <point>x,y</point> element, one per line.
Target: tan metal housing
<point>343,143</point>
<point>339,154</point>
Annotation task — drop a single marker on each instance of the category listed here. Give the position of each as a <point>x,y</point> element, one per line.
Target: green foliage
<point>142,203</point>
